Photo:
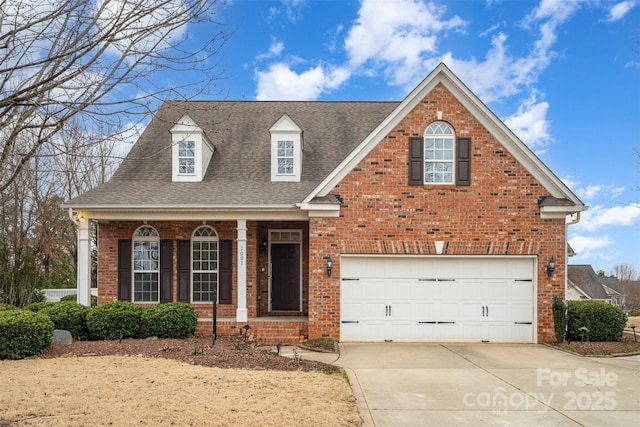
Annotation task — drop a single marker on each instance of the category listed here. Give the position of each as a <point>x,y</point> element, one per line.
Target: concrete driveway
<point>414,384</point>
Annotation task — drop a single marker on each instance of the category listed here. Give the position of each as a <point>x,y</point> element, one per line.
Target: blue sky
<point>563,74</point>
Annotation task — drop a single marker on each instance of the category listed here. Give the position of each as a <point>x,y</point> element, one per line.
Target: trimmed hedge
<point>111,320</point>
<point>5,307</point>
<point>172,320</point>
<point>605,321</point>
<point>38,306</point>
<point>74,298</point>
<point>69,316</point>
<point>24,333</point>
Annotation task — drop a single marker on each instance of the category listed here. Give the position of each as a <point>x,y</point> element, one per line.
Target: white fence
<point>57,294</point>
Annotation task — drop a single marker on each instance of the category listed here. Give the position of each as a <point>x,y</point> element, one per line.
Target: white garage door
<point>437,299</point>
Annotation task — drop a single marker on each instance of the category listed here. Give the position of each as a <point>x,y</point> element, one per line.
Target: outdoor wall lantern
<point>329,266</point>
<point>551,267</point>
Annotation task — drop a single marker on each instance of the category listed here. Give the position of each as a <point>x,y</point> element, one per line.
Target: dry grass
<point>127,391</point>
<point>635,320</point>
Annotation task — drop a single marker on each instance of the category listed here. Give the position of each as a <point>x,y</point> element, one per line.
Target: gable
<point>443,78</point>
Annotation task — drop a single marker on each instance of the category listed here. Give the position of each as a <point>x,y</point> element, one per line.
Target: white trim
<point>83,277</point>
<point>242,313</point>
<point>135,239</point>
<point>189,214</point>
<point>192,271</point>
<point>286,130</point>
<point>442,75</point>
<point>187,130</point>
<point>298,242</point>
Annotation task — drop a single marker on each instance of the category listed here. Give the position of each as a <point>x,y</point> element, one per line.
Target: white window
<point>191,151</point>
<point>186,157</point>
<point>285,157</point>
<point>204,264</point>
<point>146,265</point>
<point>286,150</point>
<point>439,154</point>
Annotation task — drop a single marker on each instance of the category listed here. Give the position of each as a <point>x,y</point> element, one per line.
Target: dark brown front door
<point>285,276</point>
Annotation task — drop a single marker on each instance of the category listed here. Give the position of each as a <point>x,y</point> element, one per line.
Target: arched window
<point>204,264</point>
<point>146,264</point>
<point>439,154</point>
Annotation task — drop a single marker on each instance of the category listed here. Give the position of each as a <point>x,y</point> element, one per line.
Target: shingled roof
<point>584,277</point>
<point>239,173</point>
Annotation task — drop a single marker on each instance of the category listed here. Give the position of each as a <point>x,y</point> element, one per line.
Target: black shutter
<point>416,160</point>
<point>184,270</point>
<point>225,274</point>
<point>463,161</point>
<point>166,270</point>
<point>124,270</point>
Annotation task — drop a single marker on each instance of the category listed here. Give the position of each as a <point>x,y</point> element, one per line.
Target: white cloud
<point>619,10</point>
<point>587,247</point>
<point>603,191</point>
<point>591,191</point>
<point>275,49</point>
<point>530,124</point>
<point>598,217</point>
<point>587,244</point>
<point>282,83</point>
<point>396,36</point>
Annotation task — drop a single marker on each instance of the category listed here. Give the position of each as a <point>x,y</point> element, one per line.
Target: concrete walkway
<point>418,384</point>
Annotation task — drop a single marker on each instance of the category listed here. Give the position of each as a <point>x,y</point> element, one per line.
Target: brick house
<point>420,220</point>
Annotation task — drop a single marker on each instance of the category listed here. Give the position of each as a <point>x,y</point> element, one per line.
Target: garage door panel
<point>438,298</point>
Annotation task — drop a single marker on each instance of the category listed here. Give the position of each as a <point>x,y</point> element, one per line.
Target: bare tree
<point>630,285</point>
<point>106,63</point>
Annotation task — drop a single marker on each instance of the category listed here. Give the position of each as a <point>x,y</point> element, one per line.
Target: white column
<point>241,312</point>
<point>84,261</point>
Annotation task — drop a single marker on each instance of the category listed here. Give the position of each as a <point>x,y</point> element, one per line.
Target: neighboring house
<point>614,289</point>
<point>585,284</point>
<point>420,220</point>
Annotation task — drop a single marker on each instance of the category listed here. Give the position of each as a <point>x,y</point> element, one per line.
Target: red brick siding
<point>257,260</point>
<point>381,213</point>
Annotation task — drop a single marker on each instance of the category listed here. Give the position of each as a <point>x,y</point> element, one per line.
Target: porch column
<point>241,312</point>
<point>84,261</point>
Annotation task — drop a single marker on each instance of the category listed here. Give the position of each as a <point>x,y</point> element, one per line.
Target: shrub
<point>39,306</point>
<point>69,316</point>
<point>110,320</point>
<point>605,321</point>
<point>559,309</point>
<point>24,333</point>
<point>5,307</point>
<point>173,320</point>
<point>74,298</point>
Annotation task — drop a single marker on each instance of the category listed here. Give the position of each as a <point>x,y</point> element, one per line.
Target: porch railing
<point>56,294</point>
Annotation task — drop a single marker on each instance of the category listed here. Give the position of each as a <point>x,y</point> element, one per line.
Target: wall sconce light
<point>329,266</point>
<point>263,245</point>
<point>551,267</point>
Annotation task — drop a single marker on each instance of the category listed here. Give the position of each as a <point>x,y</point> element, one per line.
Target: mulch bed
<point>227,352</point>
<point>627,346</point>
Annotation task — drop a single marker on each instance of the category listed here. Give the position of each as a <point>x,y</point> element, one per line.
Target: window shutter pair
<point>125,273</point>
<point>416,161</point>
<point>166,271</point>
<point>224,271</point>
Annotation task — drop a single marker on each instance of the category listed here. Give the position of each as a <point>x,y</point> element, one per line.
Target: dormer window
<point>191,151</point>
<point>186,157</point>
<point>285,157</point>
<point>286,150</point>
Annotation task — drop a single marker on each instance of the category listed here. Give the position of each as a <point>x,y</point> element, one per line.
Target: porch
<point>286,330</point>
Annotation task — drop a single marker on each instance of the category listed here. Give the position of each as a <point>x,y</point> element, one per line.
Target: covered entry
<point>437,298</point>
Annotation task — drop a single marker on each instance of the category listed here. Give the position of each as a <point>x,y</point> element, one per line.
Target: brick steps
<point>264,331</point>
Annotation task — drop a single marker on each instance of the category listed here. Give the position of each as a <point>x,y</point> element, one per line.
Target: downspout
<point>574,219</point>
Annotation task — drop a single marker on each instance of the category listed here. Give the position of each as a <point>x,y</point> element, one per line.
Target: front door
<point>285,276</point>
